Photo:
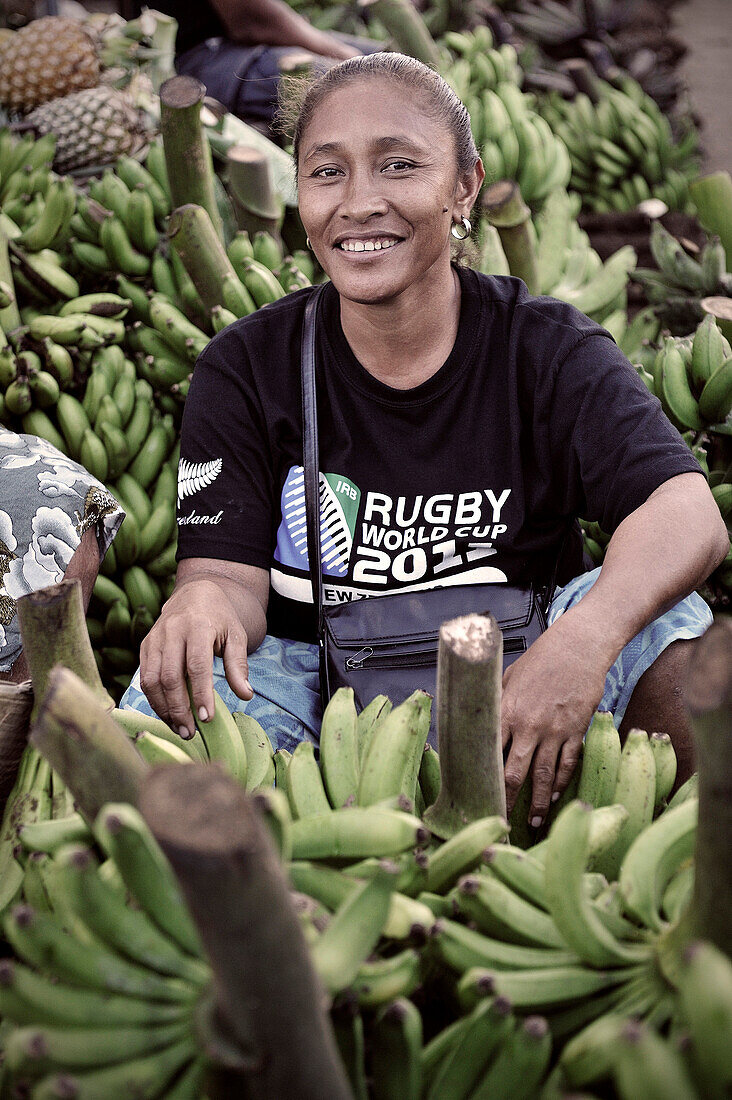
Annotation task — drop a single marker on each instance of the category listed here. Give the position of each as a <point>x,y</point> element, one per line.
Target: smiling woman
<point>464,426</point>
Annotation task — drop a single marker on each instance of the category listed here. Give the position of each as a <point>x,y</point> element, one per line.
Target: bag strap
<point>310,453</point>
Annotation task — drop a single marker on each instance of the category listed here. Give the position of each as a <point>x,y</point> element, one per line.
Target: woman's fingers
<point>542,781</point>
<point>517,768</point>
<point>568,761</point>
<point>236,664</point>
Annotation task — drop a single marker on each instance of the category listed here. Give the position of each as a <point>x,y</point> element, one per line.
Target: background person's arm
<point>218,608</point>
<point>273,23</point>
<point>659,554</point>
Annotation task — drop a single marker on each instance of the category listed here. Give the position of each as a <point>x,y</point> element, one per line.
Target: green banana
<point>678,893</point>
<point>119,249</point>
<point>355,833</point>
<point>222,739</point>
<point>462,852</point>
<point>157,532</point>
<point>261,283</point>
<point>39,939</point>
<point>520,1065</point>
<point>49,836</point>
<point>382,980</point>
<point>517,869</point>
<point>715,400</point>
<point>396,1069</point>
<point>273,806</point>
<point>551,987</point>
<point>185,338</point>
<point>73,422</point>
<point>34,1050</point>
<point>138,426</point>
<point>36,422</point>
<point>125,930</point>
<point>144,1076</point>
<point>134,722</point>
<point>367,721</point>
<point>645,1064</point>
<point>707,351</point>
<point>463,948</point>
<point>62,330</point>
<point>115,444</point>
<point>339,748</point>
<point>636,790</point>
<point>93,455</point>
<point>391,766</point>
<point>147,463</point>
<point>305,790</point>
<point>430,777</point>
<point>666,765</point>
<point>137,176</point>
<point>139,221</point>
<point>653,858</point>
<point>578,922</point>
<point>259,752</point>
<point>154,750</point>
<point>123,834</point>
<point>600,761</point>
<point>485,1029</point>
<point>354,930</point>
<point>27,997</point>
<point>266,250</point>
<point>678,400</point>
<point>501,913</point>
<point>132,497</point>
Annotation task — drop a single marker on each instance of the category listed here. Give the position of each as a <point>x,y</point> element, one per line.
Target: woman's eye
<point>399,165</point>
<point>326,172</point>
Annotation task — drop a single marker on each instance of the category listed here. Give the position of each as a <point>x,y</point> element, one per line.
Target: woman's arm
<point>273,23</point>
<point>218,608</point>
<point>658,555</point>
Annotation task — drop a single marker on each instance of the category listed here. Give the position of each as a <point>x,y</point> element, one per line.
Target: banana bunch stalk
<point>514,141</point>
<point>621,148</point>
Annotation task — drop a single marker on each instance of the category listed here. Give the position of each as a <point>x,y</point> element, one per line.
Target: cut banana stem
<point>469,669</point>
<point>199,246</point>
<point>504,208</point>
<point>187,152</point>
<point>708,696</point>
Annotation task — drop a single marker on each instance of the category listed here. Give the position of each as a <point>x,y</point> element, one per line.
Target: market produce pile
<point>455,964</point>
<point>486,963</point>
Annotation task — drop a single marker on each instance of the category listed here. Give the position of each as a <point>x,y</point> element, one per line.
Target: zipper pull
<point>358,658</point>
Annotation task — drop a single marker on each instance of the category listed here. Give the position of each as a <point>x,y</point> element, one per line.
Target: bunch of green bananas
<point>681,282</point>
<point>692,378</point>
<point>692,1061</point>
<point>621,148</point>
<point>570,269</point>
<point>108,970</point>
<point>583,927</point>
<point>514,140</point>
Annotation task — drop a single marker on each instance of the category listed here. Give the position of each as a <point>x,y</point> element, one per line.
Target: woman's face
<point>379,189</point>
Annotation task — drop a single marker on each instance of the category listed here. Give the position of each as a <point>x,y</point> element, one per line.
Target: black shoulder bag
<point>388,644</point>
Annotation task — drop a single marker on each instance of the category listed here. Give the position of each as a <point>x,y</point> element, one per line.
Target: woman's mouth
<point>374,244</point>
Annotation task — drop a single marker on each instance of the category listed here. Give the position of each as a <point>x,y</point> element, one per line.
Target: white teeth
<point>367,246</point>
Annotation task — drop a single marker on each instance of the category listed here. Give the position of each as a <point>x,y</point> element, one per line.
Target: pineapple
<point>91,127</point>
<point>50,57</point>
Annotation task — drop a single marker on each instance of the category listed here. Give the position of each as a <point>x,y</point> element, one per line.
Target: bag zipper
<point>411,660</point>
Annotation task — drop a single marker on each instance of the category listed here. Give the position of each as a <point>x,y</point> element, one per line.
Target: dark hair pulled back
<point>300,99</point>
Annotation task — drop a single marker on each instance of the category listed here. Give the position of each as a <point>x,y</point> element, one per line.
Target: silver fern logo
<point>193,476</point>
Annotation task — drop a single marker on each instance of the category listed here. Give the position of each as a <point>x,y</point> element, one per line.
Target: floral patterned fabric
<point>47,503</point>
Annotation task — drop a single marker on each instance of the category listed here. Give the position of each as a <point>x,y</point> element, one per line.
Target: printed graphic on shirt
<point>339,501</point>
<point>404,543</point>
<point>192,477</point>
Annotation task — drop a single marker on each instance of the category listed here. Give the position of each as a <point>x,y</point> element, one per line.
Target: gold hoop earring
<point>466,229</point>
<point>307,242</point>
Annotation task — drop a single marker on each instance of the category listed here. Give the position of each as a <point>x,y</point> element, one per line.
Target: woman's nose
<point>363,197</point>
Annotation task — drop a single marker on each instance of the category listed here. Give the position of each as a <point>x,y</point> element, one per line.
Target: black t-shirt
<point>473,476</point>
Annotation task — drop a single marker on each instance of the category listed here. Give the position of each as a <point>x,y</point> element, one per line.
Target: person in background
<point>235,48</point>
<point>56,523</point>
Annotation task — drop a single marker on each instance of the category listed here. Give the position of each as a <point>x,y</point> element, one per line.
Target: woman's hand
<point>549,697</point>
<point>212,612</point>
